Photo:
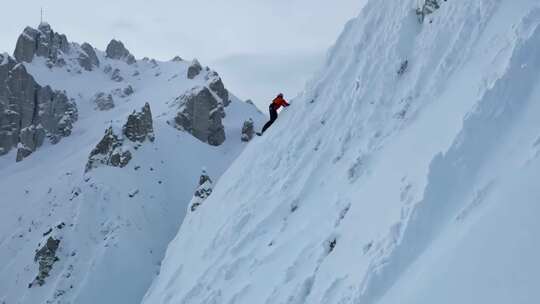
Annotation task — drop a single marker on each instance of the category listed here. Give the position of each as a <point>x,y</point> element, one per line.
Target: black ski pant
<point>273,117</point>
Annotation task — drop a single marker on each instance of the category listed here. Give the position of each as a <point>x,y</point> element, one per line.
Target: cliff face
<point>29,113</point>
<point>42,42</point>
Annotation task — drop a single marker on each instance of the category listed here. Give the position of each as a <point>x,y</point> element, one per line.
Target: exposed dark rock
<point>133,193</point>
<point>128,90</point>
<point>116,76</point>
<point>332,245</point>
<point>200,114</point>
<point>22,153</point>
<point>403,67</point>
<point>45,257</point>
<point>216,85</point>
<point>88,58</point>
<point>194,69</point>
<point>248,130</point>
<point>29,112</point>
<point>139,125</point>
<point>30,138</point>
<point>42,42</point>
<point>427,8</point>
<point>117,50</point>
<point>57,113</point>
<point>103,101</point>
<point>109,152</point>
<point>202,192</point>
<point>177,59</point>
<point>48,232</point>
<point>123,92</point>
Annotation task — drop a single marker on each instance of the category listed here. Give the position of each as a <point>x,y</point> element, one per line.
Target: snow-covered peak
<point>86,219</point>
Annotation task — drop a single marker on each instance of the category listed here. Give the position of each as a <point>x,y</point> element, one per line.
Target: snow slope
<point>114,224</point>
<point>375,187</point>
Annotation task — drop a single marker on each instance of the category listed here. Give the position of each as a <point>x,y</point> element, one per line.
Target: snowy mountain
<point>109,151</point>
<point>406,172</point>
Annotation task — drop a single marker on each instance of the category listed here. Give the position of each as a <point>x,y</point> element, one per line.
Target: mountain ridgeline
<point>31,112</point>
<point>101,156</point>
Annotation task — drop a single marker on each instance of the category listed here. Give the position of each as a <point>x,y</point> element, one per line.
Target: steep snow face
<point>405,173</point>
<point>67,236</point>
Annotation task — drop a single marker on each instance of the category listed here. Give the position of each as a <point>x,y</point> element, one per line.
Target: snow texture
<point>377,188</point>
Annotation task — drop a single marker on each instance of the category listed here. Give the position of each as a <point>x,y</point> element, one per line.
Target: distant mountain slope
<point>405,173</point>
<point>86,217</point>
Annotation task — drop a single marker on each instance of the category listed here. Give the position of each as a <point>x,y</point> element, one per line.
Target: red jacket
<point>278,102</point>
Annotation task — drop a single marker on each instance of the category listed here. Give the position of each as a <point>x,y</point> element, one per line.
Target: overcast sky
<point>217,32</point>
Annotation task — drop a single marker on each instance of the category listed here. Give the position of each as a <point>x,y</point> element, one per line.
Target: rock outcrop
<point>45,257</point>
<point>117,76</point>
<point>113,151</point>
<point>139,126</point>
<point>88,59</point>
<point>194,69</point>
<point>216,85</point>
<point>109,152</point>
<point>127,91</point>
<point>200,114</point>
<point>177,59</point>
<point>117,50</point>
<point>428,7</point>
<point>30,113</point>
<point>57,113</point>
<point>202,192</point>
<point>248,130</point>
<point>42,42</point>
<point>103,101</point>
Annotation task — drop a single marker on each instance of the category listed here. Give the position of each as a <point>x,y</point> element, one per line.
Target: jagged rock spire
<point>117,50</point>
<point>88,58</point>
<point>43,42</point>
<point>194,69</point>
<point>111,151</point>
<point>200,114</point>
<point>139,125</point>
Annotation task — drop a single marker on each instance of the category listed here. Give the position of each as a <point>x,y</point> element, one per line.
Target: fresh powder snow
<point>406,172</point>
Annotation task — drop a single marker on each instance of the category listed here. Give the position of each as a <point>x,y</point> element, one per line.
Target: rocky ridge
<point>29,113</point>
<point>113,149</point>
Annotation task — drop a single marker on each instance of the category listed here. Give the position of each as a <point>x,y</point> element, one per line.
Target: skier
<point>274,106</point>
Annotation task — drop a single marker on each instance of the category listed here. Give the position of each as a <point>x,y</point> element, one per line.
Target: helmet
<point>280,95</point>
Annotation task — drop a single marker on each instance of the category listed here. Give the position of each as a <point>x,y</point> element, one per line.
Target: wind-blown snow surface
<point>114,224</point>
<point>379,188</point>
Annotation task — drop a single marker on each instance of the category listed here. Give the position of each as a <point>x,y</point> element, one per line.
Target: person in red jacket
<point>277,103</point>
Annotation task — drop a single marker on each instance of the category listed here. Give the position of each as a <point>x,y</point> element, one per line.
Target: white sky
<point>213,31</point>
